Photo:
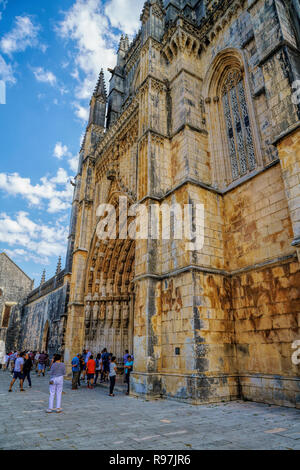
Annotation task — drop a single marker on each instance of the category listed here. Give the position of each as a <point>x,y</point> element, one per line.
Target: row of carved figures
<point>111,313</point>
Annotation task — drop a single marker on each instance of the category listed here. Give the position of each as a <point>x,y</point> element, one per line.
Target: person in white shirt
<point>58,371</point>
<point>18,372</point>
<point>112,376</point>
<point>6,361</point>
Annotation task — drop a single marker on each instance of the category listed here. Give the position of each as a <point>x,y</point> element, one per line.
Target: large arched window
<point>237,123</point>
<point>234,137</point>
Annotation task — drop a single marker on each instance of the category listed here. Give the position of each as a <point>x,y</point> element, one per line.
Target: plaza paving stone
<point>93,420</point>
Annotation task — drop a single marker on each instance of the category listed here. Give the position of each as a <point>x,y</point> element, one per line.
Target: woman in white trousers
<point>58,370</point>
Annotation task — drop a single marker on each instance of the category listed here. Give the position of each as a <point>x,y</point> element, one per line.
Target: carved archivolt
<point>109,286</point>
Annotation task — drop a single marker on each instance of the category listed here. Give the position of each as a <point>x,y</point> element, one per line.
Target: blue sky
<point>51,53</point>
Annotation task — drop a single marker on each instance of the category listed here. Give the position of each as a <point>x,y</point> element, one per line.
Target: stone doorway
<point>109,297</point>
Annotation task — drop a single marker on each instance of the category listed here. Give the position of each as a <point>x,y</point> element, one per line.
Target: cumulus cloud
<point>89,25</point>
<point>122,16</point>
<point>32,240</point>
<point>49,191</point>
<point>82,112</point>
<point>73,163</point>
<point>86,24</point>
<point>44,76</point>
<point>24,34</point>
<point>60,150</point>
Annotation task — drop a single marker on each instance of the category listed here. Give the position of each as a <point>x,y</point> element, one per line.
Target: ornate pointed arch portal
<point>109,292</point>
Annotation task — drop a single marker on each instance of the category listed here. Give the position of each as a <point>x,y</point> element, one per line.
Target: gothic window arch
<point>238,128</point>
<point>234,136</point>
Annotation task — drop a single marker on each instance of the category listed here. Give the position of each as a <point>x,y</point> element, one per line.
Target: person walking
<point>125,357</point>
<point>75,371</point>
<point>13,358</point>
<point>128,369</point>
<point>27,368</point>
<point>82,366</point>
<point>18,372</point>
<point>83,355</point>
<point>36,361</point>
<point>9,359</point>
<point>42,363</point>
<point>105,365</point>
<point>6,359</point>
<point>98,366</point>
<point>112,376</point>
<point>57,372</point>
<point>90,371</point>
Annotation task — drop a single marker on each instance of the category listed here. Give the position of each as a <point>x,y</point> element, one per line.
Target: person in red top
<point>90,371</point>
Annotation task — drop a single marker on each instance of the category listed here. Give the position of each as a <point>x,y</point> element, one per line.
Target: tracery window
<point>238,125</point>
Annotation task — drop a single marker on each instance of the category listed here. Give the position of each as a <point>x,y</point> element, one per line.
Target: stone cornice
<point>212,189</point>
<point>222,272</point>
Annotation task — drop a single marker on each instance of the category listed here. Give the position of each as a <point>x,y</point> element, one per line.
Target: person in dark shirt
<point>105,365</point>
<point>27,368</point>
<point>82,366</point>
<point>42,363</point>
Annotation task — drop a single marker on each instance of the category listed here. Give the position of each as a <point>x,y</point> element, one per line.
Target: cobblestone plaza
<point>93,420</point>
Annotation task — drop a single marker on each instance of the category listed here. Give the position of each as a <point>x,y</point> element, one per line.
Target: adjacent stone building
<point>14,286</point>
<point>38,321</point>
<point>202,110</point>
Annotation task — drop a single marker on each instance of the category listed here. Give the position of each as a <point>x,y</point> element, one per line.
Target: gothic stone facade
<point>200,111</point>
<point>14,286</point>
<point>38,321</point>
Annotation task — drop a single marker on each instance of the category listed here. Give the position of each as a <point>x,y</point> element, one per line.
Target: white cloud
<point>6,71</point>
<point>122,16</point>
<point>86,24</point>
<point>32,240</point>
<point>60,150</point>
<point>81,112</point>
<point>73,163</point>
<point>89,25</point>
<point>44,76</point>
<point>75,74</point>
<point>61,177</point>
<point>47,192</point>
<point>24,34</point>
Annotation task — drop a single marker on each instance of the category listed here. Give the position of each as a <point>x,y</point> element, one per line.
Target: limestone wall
<point>30,323</point>
<point>14,286</point>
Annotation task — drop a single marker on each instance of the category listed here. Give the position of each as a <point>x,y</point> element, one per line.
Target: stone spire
<point>58,267</point>
<point>100,89</point>
<point>98,103</point>
<point>43,279</point>
<point>126,42</point>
